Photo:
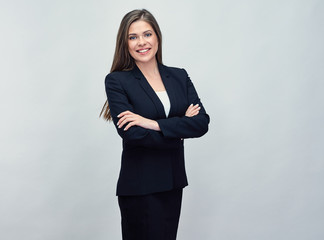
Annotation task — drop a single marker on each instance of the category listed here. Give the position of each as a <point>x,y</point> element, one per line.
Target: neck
<point>149,68</point>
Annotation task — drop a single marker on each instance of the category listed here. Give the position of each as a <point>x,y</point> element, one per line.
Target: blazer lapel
<point>170,88</point>
<point>149,91</point>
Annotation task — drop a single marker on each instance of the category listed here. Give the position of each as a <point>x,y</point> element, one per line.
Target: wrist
<point>155,126</point>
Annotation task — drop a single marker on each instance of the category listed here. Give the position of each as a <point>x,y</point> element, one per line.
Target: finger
<point>193,110</point>
<point>190,106</point>
<point>129,125</point>
<point>123,113</point>
<point>126,120</point>
<point>122,118</point>
<point>196,111</point>
<point>195,106</point>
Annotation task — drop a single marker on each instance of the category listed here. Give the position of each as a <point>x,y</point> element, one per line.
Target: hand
<point>136,120</point>
<point>192,110</point>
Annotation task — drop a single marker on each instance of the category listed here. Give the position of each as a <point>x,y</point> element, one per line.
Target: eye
<point>132,38</point>
<point>148,34</point>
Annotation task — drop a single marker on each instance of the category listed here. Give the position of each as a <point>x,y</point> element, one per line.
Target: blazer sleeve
<point>136,136</point>
<point>186,127</point>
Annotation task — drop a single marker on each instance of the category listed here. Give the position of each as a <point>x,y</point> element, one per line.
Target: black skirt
<point>151,217</point>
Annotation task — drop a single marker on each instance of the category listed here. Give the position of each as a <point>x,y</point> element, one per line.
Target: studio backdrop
<point>258,67</point>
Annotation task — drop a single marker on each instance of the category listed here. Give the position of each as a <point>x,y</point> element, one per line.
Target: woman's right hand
<point>192,110</point>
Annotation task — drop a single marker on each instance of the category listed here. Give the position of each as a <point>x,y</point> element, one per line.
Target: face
<point>142,42</point>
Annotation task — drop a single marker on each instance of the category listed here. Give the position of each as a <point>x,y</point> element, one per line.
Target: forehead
<point>139,27</point>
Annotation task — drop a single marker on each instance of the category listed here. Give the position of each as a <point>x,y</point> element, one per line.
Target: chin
<point>144,60</point>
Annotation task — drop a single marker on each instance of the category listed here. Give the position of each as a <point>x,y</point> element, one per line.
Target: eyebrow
<point>143,32</point>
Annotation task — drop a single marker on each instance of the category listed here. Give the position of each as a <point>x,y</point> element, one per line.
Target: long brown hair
<point>123,61</point>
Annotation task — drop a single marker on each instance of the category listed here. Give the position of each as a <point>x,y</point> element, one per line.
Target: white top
<point>164,98</point>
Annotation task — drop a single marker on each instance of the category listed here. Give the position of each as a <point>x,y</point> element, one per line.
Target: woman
<point>154,107</point>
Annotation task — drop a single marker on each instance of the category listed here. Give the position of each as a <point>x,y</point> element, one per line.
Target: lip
<point>143,53</point>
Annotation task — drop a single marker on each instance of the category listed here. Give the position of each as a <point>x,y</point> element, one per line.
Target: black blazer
<point>153,161</point>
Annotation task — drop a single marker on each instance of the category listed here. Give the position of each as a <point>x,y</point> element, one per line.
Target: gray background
<point>258,68</point>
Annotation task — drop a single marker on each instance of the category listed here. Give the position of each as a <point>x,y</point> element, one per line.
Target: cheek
<point>129,46</point>
<point>131,49</point>
<point>156,43</point>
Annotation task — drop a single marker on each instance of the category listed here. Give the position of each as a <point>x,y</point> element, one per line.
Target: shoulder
<point>176,72</point>
<point>119,76</point>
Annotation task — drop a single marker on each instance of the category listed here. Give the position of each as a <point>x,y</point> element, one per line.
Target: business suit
<point>152,172</point>
<point>153,161</point>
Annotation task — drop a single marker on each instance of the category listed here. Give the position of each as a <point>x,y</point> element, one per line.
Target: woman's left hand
<point>134,119</point>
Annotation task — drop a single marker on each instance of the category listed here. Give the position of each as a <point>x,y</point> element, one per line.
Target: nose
<point>141,41</point>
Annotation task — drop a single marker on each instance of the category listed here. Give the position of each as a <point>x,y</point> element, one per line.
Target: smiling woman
<point>154,108</point>
<point>142,42</point>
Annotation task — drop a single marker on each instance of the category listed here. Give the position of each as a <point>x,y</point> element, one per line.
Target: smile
<point>143,50</point>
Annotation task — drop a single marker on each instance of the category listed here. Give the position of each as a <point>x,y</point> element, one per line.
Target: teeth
<point>141,51</point>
